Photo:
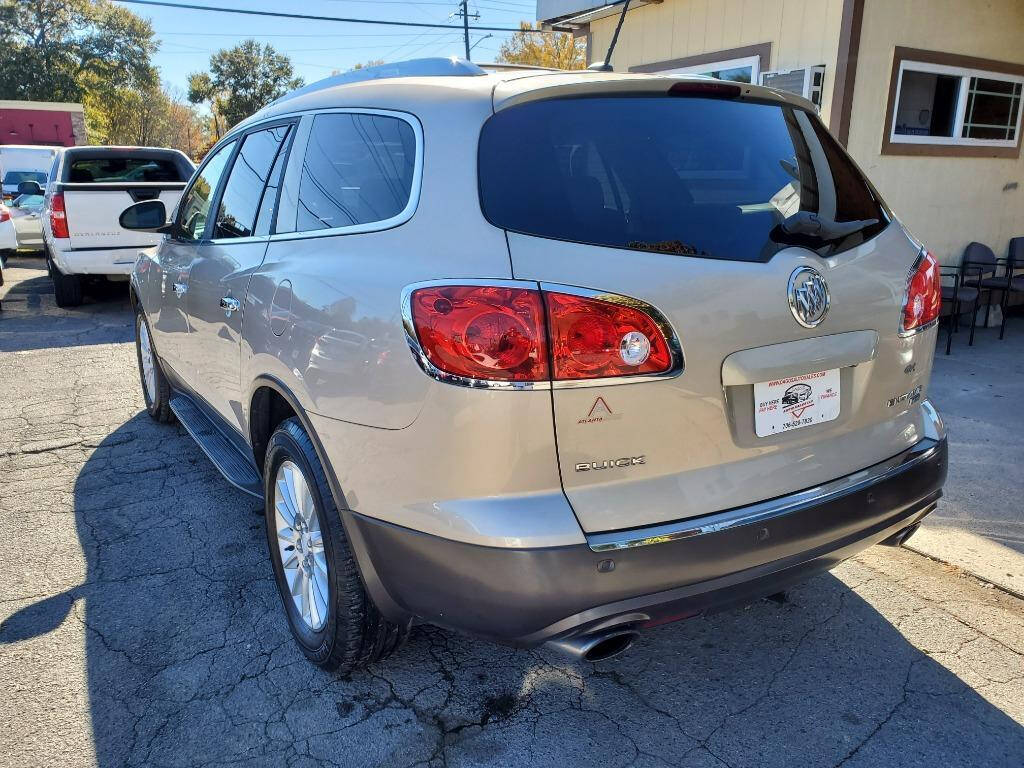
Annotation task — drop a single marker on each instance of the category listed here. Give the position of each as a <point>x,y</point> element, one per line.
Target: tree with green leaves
<point>558,50</point>
<point>242,80</point>
<point>59,50</point>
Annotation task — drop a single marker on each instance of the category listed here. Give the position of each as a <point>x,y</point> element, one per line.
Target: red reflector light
<point>482,332</point>
<point>924,294</point>
<point>591,338</point>
<point>58,218</point>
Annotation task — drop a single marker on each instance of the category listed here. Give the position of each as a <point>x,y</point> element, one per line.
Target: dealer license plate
<point>795,402</point>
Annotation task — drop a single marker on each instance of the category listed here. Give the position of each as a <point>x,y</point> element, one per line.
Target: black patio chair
<point>957,293</point>
<point>981,267</point>
<point>1009,282</point>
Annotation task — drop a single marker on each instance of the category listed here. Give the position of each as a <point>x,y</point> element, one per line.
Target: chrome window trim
<point>766,510</point>
<point>298,155</point>
<point>434,372</point>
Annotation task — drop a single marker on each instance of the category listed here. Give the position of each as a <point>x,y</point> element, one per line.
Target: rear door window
<point>358,169</point>
<point>247,182</point>
<point>685,175</point>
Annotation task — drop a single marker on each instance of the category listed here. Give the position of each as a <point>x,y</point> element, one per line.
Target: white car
<point>8,235</point>
<point>87,189</point>
<point>22,162</point>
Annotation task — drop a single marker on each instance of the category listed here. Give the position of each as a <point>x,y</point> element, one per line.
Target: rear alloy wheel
<point>155,389</point>
<point>331,617</point>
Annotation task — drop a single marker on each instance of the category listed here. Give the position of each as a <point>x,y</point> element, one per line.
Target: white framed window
<point>940,104</point>
<point>744,70</point>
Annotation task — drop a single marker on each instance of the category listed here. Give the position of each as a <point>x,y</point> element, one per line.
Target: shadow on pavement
<point>29,318</point>
<point>189,661</point>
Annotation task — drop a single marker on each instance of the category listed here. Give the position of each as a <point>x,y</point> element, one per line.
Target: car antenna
<point>606,65</point>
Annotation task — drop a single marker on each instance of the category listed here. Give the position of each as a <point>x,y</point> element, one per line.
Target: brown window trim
<point>762,50</point>
<point>901,54</point>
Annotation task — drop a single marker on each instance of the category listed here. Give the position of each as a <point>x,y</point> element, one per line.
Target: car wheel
<point>66,288</point>
<point>331,617</point>
<point>155,389</point>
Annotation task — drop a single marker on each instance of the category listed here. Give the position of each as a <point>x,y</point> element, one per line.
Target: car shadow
<point>30,319</point>
<point>189,661</point>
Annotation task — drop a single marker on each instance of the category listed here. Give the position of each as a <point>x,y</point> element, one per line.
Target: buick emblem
<point>808,296</point>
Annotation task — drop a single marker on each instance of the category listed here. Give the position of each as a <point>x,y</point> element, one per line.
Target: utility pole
<point>464,13</point>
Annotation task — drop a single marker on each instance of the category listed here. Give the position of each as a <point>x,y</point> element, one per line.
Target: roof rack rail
<point>503,65</point>
<point>432,67</point>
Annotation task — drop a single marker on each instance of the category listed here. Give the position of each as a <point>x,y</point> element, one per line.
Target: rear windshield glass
<point>692,176</point>
<point>114,169</point>
<point>16,177</point>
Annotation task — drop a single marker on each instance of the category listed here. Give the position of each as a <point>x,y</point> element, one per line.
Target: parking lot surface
<point>139,624</point>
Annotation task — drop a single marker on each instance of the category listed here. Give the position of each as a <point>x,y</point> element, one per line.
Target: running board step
<point>236,469</point>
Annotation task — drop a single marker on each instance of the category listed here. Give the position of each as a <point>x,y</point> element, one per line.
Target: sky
<point>317,48</point>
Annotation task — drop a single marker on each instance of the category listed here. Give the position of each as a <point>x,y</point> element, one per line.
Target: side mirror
<point>30,188</point>
<point>147,216</point>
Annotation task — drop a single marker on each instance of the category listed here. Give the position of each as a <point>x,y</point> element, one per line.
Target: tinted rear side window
<point>108,169</point>
<point>693,176</point>
<point>358,169</point>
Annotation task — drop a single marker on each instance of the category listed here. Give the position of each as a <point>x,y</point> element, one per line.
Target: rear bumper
<point>99,261</point>
<point>529,596</point>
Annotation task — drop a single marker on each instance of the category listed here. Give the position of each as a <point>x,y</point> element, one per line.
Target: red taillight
<point>500,333</point>
<point>924,294</point>
<point>482,332</point>
<point>591,338</point>
<point>5,215</point>
<point>58,218</point>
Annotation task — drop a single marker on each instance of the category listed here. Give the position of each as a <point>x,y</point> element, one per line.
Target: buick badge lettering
<point>808,296</point>
<point>626,461</point>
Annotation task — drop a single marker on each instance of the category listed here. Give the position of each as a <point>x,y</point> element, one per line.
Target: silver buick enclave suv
<point>545,357</point>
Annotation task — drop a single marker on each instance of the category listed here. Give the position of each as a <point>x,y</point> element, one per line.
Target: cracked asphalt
<point>139,624</point>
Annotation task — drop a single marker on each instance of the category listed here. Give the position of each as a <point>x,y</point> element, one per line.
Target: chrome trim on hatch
<point>766,510</point>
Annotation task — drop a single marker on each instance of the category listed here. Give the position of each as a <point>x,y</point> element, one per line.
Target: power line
<point>309,17</point>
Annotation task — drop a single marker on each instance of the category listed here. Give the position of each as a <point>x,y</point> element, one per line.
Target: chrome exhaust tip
<point>598,646</point>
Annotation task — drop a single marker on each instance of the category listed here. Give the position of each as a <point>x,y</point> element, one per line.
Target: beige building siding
<point>801,32</point>
<point>946,201</point>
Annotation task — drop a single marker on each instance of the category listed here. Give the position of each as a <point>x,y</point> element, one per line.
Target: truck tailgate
<point>93,211</point>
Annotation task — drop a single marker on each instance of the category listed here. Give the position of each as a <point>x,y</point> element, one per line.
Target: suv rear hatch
<point>98,184</point>
<point>698,200</point>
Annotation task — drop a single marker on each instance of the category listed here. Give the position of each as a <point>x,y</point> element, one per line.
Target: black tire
<point>158,406</point>
<point>66,288</point>
<point>355,633</point>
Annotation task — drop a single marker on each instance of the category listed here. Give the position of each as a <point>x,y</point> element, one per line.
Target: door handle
<point>230,304</point>
<point>179,289</point>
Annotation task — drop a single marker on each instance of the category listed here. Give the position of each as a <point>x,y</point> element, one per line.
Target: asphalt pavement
<point>139,623</point>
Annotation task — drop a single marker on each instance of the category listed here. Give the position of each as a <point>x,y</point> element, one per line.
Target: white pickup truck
<point>87,189</point>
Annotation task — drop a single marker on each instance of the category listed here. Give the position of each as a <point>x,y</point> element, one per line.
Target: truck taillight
<point>58,218</point>
<point>524,335</point>
<point>923,299</point>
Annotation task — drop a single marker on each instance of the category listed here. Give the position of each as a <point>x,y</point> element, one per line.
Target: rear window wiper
<point>813,225</point>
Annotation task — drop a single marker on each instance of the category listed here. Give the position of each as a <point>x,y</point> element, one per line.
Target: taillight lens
<point>5,214</point>
<point>924,294</point>
<point>501,333</point>
<point>591,338</point>
<point>58,218</point>
<point>482,332</point>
